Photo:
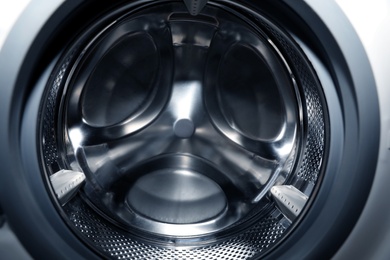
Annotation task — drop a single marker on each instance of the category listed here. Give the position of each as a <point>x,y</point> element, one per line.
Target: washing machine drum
<point>183,130</point>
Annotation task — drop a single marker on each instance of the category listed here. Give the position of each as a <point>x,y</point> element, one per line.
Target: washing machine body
<point>204,130</point>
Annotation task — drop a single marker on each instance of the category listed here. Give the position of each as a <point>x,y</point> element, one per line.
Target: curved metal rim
<point>143,223</point>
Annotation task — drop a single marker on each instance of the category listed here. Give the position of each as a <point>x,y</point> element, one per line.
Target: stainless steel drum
<point>186,130</point>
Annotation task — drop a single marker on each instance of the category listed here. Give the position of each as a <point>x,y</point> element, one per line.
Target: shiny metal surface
<point>156,116</point>
<point>177,197</point>
<point>173,158</point>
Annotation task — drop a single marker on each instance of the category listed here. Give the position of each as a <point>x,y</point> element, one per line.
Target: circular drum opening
<point>183,134</point>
